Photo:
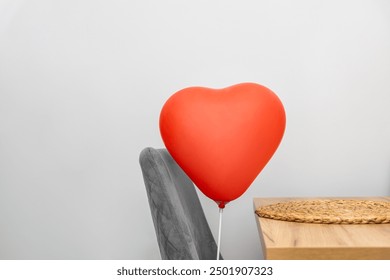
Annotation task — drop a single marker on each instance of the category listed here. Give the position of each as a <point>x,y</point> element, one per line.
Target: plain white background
<point>82,83</point>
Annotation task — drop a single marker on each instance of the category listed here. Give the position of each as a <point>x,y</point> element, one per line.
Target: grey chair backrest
<point>181,226</point>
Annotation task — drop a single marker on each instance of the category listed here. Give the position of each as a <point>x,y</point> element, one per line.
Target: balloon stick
<point>219,232</point>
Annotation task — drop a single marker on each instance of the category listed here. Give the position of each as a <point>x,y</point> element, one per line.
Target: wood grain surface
<point>291,240</point>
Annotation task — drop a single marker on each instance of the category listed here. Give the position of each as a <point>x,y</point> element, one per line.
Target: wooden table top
<point>291,240</point>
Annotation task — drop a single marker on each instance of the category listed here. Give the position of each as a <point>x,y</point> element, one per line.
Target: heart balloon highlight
<point>223,138</point>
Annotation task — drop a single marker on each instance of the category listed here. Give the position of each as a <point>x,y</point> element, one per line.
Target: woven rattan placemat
<point>328,211</point>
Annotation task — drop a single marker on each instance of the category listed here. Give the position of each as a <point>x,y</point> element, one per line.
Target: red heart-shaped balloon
<point>223,138</point>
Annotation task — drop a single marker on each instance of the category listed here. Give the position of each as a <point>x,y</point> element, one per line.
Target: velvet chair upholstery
<point>179,221</point>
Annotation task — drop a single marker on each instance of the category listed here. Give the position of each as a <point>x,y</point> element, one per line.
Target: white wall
<point>82,83</point>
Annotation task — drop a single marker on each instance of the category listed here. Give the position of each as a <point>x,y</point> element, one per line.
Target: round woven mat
<point>329,211</point>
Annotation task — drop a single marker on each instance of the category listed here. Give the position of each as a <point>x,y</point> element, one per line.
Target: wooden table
<point>291,240</point>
